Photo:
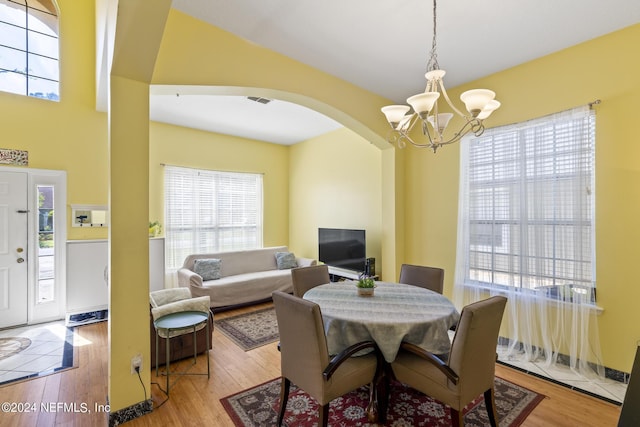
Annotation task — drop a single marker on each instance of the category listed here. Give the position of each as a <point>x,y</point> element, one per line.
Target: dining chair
<point>470,369</point>
<point>305,278</point>
<point>305,359</point>
<point>426,277</point>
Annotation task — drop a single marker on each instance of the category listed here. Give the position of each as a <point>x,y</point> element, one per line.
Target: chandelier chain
<point>433,56</point>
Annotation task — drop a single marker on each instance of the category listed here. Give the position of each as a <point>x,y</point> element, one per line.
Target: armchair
<point>426,277</point>
<point>305,359</point>
<point>167,301</point>
<point>470,369</point>
<point>305,278</point>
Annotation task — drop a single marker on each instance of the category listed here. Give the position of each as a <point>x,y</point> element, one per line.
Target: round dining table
<point>395,313</point>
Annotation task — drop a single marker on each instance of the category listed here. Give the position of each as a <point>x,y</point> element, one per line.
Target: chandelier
<point>480,103</point>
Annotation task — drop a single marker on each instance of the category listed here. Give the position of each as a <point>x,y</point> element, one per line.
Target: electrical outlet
<point>136,362</point>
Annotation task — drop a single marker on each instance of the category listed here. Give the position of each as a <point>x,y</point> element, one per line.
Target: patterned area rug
<point>35,351</point>
<point>258,406</point>
<point>251,330</point>
<point>13,345</point>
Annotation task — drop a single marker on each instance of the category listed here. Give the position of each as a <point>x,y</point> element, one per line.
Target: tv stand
<point>337,274</point>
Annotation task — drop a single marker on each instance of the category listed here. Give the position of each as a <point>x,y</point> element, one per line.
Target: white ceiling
<point>383,46</point>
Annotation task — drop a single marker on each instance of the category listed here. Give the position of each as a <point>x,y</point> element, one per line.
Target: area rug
<point>258,406</point>
<point>251,330</point>
<point>13,345</point>
<point>36,351</point>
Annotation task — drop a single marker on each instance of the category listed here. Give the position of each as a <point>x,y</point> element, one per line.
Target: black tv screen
<point>342,248</point>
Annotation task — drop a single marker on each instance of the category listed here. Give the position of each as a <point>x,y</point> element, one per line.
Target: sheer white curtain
<point>210,211</point>
<point>526,230</point>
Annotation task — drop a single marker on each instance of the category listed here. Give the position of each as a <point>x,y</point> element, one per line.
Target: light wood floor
<point>195,401</point>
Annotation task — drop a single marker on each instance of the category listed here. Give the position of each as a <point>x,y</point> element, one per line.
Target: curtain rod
<point>592,103</point>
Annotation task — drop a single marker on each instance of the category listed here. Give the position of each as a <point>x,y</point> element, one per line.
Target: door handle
<point>20,260</point>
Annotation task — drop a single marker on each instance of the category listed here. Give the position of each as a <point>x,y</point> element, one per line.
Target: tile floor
<point>45,354</point>
<point>604,388</point>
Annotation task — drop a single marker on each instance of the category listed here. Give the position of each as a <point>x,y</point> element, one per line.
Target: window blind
<point>528,195</point>
<point>210,211</point>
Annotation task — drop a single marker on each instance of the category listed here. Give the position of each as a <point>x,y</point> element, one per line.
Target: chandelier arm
<point>446,97</point>
<point>432,144</point>
<point>468,127</point>
<point>412,122</point>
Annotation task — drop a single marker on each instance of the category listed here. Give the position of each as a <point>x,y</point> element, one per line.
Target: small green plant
<point>366,282</point>
<point>155,228</point>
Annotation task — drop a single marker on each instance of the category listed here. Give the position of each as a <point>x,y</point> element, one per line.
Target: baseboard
<point>129,413</point>
<point>563,359</point>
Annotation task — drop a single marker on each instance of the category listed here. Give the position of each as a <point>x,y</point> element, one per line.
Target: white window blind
<point>210,211</point>
<point>527,206</point>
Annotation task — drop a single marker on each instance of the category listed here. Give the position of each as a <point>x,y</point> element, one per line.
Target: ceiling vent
<point>259,99</point>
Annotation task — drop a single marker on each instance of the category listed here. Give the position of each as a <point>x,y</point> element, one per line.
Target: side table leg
<point>167,356</point>
<point>208,338</point>
<point>195,345</point>
<point>157,339</point>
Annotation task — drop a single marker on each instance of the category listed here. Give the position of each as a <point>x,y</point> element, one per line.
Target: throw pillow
<point>286,260</point>
<point>208,268</point>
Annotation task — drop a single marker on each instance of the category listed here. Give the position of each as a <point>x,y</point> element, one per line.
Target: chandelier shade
<point>423,108</point>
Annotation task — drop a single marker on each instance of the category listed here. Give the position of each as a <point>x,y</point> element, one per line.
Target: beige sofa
<point>245,276</point>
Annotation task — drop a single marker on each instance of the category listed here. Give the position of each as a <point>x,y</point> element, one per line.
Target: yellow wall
<point>67,135</point>
<point>602,69</point>
<point>196,53</point>
<point>335,183</point>
<point>179,146</point>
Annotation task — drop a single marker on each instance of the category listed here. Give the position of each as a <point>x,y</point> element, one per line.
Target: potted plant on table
<point>366,286</point>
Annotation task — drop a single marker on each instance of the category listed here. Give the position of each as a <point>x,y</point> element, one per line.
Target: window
<point>29,48</point>
<point>527,207</point>
<point>210,211</point>
<point>45,289</point>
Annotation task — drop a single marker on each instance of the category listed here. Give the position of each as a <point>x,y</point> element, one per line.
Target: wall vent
<point>259,99</point>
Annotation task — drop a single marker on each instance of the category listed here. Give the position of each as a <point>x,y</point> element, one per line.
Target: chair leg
<point>490,403</point>
<point>284,396</point>
<point>457,419</point>
<point>323,415</point>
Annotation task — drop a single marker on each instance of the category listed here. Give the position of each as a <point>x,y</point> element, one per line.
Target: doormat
<point>407,407</point>
<point>251,330</point>
<point>80,319</point>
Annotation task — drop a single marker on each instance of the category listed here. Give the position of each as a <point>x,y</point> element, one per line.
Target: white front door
<point>14,216</point>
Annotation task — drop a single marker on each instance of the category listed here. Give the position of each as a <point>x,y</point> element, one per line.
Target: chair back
<point>473,351</point>
<point>167,296</point>
<point>303,345</point>
<point>426,277</point>
<point>305,278</point>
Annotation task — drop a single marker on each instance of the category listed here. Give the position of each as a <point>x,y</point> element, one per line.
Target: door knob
<point>19,250</point>
<point>20,260</point>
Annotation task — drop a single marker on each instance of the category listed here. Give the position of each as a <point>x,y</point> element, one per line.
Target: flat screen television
<point>342,248</point>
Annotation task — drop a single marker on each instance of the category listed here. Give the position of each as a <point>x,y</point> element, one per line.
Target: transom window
<point>210,211</point>
<point>527,206</point>
<point>29,60</point>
